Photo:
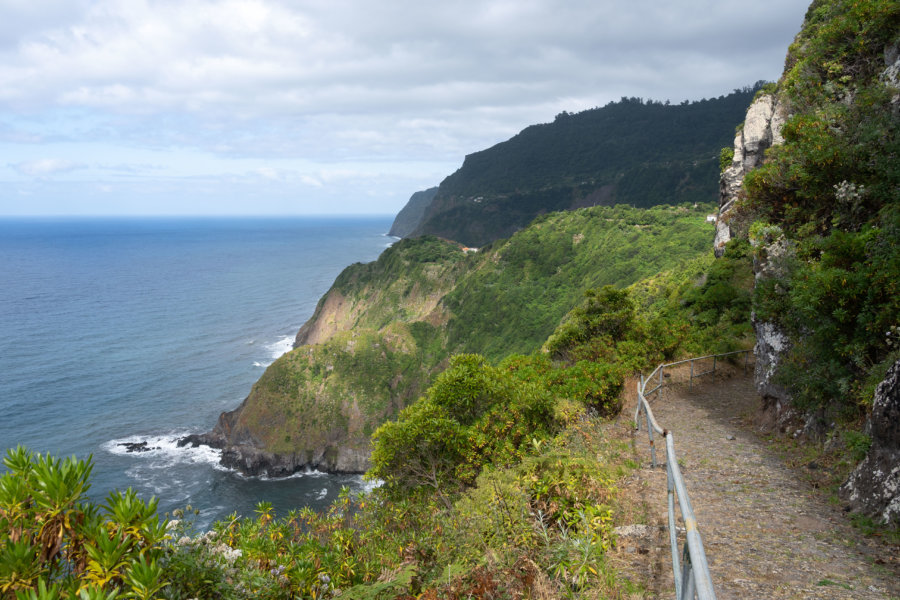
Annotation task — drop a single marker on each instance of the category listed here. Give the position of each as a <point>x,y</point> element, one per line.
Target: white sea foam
<point>369,485</point>
<point>276,350</point>
<point>164,451</point>
<point>322,493</point>
<point>297,475</point>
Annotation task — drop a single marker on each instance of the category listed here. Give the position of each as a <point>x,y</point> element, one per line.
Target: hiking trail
<point>768,533</point>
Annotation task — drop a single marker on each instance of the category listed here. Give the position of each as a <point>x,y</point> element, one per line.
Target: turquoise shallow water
<point>116,330</point>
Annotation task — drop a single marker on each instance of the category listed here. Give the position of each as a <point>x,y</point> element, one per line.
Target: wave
<point>276,350</point>
<point>298,475</point>
<point>163,450</point>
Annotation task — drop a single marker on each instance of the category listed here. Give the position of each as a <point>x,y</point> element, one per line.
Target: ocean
<point>120,330</point>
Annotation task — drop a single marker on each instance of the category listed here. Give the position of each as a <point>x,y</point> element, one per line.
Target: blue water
<point>115,330</point>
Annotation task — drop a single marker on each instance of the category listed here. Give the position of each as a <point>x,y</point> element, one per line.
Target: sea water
<point>130,330</point>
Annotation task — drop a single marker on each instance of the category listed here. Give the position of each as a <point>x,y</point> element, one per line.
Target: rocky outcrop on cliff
<point>245,454</point>
<point>761,131</point>
<point>874,486</point>
<point>411,215</point>
<point>773,253</point>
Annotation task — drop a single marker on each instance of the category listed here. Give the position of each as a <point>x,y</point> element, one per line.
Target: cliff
<point>411,215</point>
<point>635,152</point>
<point>815,187</point>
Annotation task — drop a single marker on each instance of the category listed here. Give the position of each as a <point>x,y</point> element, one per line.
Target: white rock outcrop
<point>761,130</point>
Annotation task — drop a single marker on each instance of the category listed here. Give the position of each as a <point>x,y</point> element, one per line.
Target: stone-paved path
<point>767,532</point>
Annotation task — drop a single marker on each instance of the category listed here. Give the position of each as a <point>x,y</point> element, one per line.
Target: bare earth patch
<point>767,532</point>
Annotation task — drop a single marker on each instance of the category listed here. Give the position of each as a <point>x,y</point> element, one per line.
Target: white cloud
<point>399,81</point>
<point>46,167</point>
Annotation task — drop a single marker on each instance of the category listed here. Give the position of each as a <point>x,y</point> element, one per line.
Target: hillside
<point>385,328</point>
<point>411,214</point>
<point>635,152</point>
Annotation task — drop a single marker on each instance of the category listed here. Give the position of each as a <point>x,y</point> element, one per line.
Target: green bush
<point>474,414</point>
<point>55,543</point>
<point>726,156</point>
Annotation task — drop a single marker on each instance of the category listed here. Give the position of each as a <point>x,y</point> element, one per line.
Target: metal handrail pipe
<point>692,577</point>
<point>699,564</point>
<point>649,412</point>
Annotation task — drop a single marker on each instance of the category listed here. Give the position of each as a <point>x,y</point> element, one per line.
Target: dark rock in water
<point>874,486</point>
<point>201,439</point>
<point>243,453</point>
<point>137,447</point>
<point>257,462</point>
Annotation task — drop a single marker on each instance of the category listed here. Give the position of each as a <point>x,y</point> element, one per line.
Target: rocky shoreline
<point>248,458</point>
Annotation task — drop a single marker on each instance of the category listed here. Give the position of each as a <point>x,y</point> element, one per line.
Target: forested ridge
<point>633,151</point>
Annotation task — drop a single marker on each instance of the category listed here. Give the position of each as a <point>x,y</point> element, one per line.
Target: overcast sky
<point>331,106</point>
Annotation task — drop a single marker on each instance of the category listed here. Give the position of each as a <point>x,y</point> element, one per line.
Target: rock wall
<point>874,486</point>
<point>761,131</point>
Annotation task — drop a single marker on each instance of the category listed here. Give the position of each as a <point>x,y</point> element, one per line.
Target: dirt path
<point>767,532</point>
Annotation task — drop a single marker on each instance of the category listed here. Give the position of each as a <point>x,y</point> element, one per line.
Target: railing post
<point>714,369</point>
<point>659,389</point>
<point>640,403</point>
<point>692,375</point>
<point>652,447</point>
<point>746,360</point>
<point>688,584</point>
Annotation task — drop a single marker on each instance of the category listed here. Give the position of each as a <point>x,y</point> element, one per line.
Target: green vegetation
<point>831,195</point>
<point>635,152</point>
<point>55,544</point>
<point>498,480</point>
<point>522,287</point>
<point>386,328</point>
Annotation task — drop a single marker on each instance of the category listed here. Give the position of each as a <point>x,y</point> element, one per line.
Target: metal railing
<point>692,578</point>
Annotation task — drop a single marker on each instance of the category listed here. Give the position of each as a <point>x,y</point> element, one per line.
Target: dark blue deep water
<point>115,330</point>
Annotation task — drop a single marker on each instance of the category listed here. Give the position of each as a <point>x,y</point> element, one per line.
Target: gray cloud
<point>347,80</point>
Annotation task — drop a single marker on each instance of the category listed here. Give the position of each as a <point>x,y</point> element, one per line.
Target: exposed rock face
<point>411,215</point>
<point>771,342</point>
<point>891,74</point>
<point>333,314</point>
<point>243,453</point>
<point>874,486</point>
<point>761,130</point>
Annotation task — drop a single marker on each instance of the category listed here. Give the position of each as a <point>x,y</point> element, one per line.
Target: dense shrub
<point>54,543</point>
<point>833,191</point>
<point>474,414</point>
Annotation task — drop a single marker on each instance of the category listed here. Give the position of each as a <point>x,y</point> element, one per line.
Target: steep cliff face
<point>761,130</point>
<point>411,215</point>
<point>357,361</point>
<point>629,152</point>
<point>874,486</point>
